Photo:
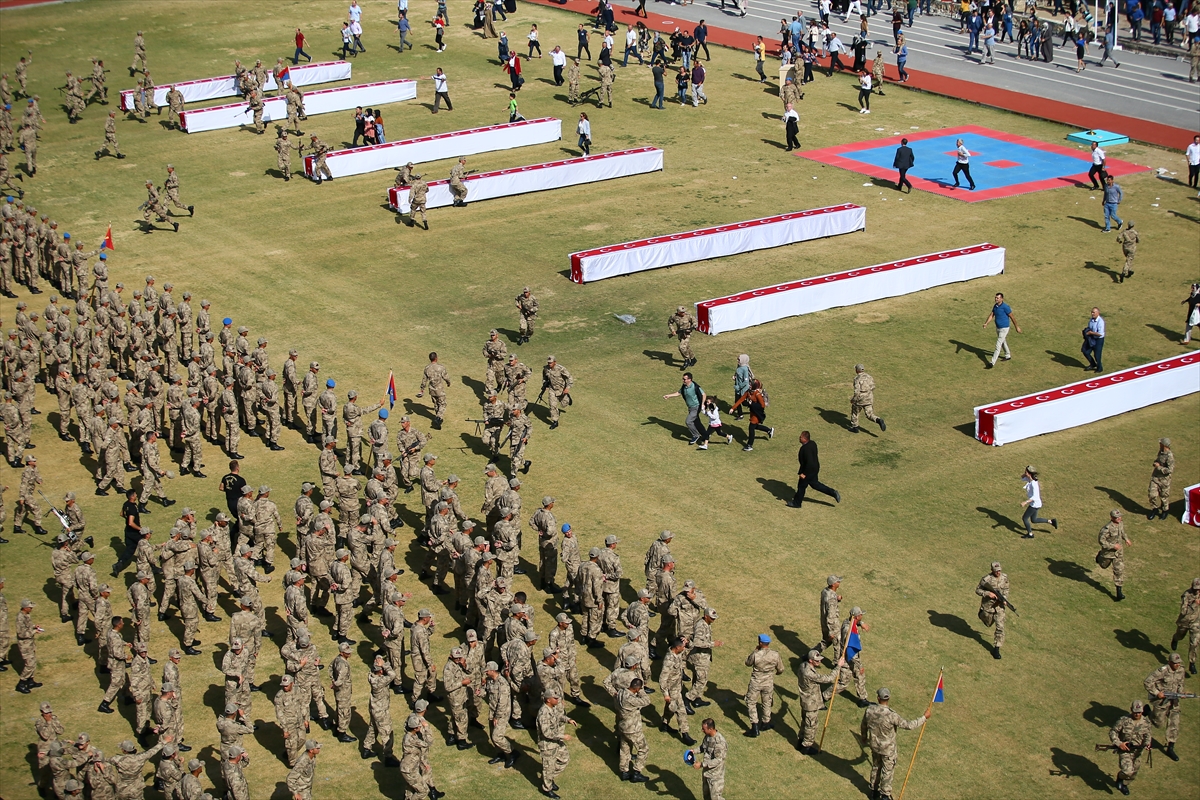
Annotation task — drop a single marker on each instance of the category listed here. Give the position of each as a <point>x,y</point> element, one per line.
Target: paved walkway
<point>1148,98</point>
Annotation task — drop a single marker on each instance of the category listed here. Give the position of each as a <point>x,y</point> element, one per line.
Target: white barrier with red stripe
<point>322,101</point>
<point>539,177</point>
<point>809,295</point>
<point>440,146</point>
<point>1191,506</point>
<point>1088,400</point>
<point>722,240</point>
<point>226,86</point>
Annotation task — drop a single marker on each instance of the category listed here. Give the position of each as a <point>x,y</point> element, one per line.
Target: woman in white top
<point>1033,502</point>
<point>864,92</point>
<point>584,129</point>
<point>534,44</point>
<point>714,424</point>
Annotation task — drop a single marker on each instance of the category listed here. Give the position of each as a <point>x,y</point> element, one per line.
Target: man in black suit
<point>810,470</point>
<point>904,161</point>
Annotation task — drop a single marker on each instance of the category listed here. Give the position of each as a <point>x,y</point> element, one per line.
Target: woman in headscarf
<point>741,379</point>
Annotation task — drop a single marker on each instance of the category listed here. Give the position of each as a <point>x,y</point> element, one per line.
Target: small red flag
<point>108,242</point>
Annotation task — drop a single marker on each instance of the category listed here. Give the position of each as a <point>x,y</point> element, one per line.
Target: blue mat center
<point>994,163</point>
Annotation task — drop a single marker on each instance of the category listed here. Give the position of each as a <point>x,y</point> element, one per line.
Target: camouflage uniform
<point>1111,538</point>
<point>1160,480</point>
<point>1188,622</point>
<point>1135,732</point>
<point>878,730</point>
<point>764,664</point>
<point>681,324</point>
<point>992,610</point>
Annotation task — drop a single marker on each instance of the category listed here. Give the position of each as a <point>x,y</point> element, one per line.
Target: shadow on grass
<point>778,489</point>
<point>844,768</point>
<point>982,354</point>
<point>1111,273</point>
<point>833,417</point>
<point>967,428</point>
<point>1089,222</point>
<point>1064,359</point>
<point>959,626</point>
<point>1127,504</point>
<point>1072,571</point>
<point>1102,716</point>
<point>1170,335</point>
<point>659,355</point>
<point>474,385</point>
<point>793,643</point>
<point>1072,765</point>
<point>779,145</point>
<point>1000,520</point>
<point>1188,217</point>
<point>1134,639</point>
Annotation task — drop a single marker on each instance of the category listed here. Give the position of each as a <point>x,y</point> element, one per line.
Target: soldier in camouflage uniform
<point>380,728</point>
<point>527,305</point>
<point>1167,678</point>
<point>863,399</point>
<point>670,681</point>
<point>552,740</point>
<point>499,700</point>
<point>700,657</point>
<point>633,748</point>
<point>854,672</point>
<point>1112,538</point>
<point>300,779</point>
<point>831,615</point>
<point>343,691</point>
<point>812,698</point>
<point>1132,737</point>
<point>520,428</point>
<point>1160,480</point>
<point>496,353</point>
<point>1188,623</point>
<point>456,682</point>
<point>764,664</point>
<point>516,381</point>
<point>680,325</point>
<point>993,589</point>
<point>878,730</point>
<point>437,380</point>
<point>290,717</point>
<point>557,382</point>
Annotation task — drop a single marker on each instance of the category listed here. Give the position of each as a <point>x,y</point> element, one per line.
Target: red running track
<point>1016,102</point>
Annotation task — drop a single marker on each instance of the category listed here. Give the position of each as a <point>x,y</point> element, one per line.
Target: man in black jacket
<point>904,161</point>
<point>810,470</point>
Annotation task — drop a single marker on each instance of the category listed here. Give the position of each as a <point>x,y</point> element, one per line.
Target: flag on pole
<point>853,643</point>
<point>938,695</point>
<point>391,389</point>
<point>108,242</point>
<point>284,76</point>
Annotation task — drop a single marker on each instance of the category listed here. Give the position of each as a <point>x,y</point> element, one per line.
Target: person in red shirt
<point>513,68</point>
<point>300,43</point>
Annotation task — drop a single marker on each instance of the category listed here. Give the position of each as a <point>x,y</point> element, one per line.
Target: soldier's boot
<point>22,687</point>
<point>1120,594</point>
<point>342,736</point>
<point>1122,788</point>
<point>623,775</point>
<point>3,664</point>
<point>1174,642</point>
<point>753,732</point>
<point>882,424</point>
<point>996,653</point>
<point>1164,513</point>
<point>637,777</point>
<point>687,739</point>
<point>1171,751</point>
<point>1192,668</point>
<point>365,753</point>
<point>104,707</point>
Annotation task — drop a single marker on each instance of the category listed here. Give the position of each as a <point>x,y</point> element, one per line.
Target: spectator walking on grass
<point>743,377</point>
<point>1193,313</point>
<point>693,397</point>
<point>301,42</point>
<point>1033,503</point>
<point>864,92</point>
<point>810,473</point>
<point>1093,343</point>
<point>756,401</point>
<point>1002,313</point>
<point>584,129</point>
<point>1112,199</point>
<point>713,414</point>
<point>404,26</point>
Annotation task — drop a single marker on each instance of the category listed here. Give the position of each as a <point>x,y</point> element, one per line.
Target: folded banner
<point>226,85</point>
<point>440,146</point>
<point>322,101</point>
<point>848,288</point>
<point>1191,506</point>
<point>539,177</point>
<point>1087,401</point>
<point>722,240</point>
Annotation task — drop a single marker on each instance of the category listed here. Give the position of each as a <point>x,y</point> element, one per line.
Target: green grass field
<point>328,270</point>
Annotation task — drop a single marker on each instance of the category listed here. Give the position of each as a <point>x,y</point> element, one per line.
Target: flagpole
<point>832,697</point>
<point>920,736</point>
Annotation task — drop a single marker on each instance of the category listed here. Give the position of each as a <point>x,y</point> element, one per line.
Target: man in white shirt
<point>441,89</point>
<point>356,32</point>
<point>835,55</point>
<point>631,47</point>
<point>1096,173</point>
<point>1093,342</point>
<point>355,12</point>
<point>962,158</point>
<point>1193,159</point>
<point>791,124</point>
<point>559,59</point>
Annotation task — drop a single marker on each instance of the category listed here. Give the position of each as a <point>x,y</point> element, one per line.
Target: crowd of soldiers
<point>134,372</point>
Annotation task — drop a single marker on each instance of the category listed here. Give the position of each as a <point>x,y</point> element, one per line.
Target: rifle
<point>1180,696</point>
<point>1136,750</point>
<point>62,520</point>
<point>1003,598</point>
<point>545,386</point>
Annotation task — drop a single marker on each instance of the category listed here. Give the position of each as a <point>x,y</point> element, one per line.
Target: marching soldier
<point>764,664</point>
<point>680,325</point>
<point>1112,538</point>
<point>172,189</point>
<point>863,399</point>
<point>993,588</point>
<point>1160,480</point>
<point>27,504</point>
<point>520,429</point>
<point>1188,623</point>
<point>283,160</point>
<point>558,381</point>
<point>496,353</point>
<point>27,632</point>
<point>343,691</point>
<point>1128,239</point>
<point>139,56</point>
<point>256,106</point>
<point>457,188</point>
<point>1167,678</point>
<point>527,305</point>
<point>1132,738</point>
<point>99,83</point>
<point>812,698</point>
<point>153,205</point>
<point>418,197</point>
<point>878,730</point>
<point>573,74</point>
<point>516,381</point>
<point>830,615</point>
<point>436,379</point>
<point>174,108</point>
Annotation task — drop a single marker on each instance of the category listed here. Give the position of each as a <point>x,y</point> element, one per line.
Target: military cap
<point>26,603</point>
<point>856,612</point>
<point>814,655</point>
<point>195,764</point>
<point>189,565</point>
<point>352,394</point>
<point>594,552</point>
<point>530,636</point>
<point>472,636</point>
<point>488,557</point>
<point>424,613</point>
<point>491,666</point>
<point>631,660</point>
<point>457,653</point>
<point>56,748</point>
<point>312,744</point>
<point>326,505</point>
<point>413,722</point>
<point>1165,442</point>
<point>548,651</point>
<point>345,647</point>
<point>1196,583</point>
<point>1115,513</point>
<point>711,613</point>
<point>342,553</point>
<point>884,694</point>
<point>72,786</point>
<point>632,634</point>
<point>430,457</point>
<point>420,706</point>
<point>689,584</point>
<point>547,500</point>
<point>287,680</point>
<point>514,483</point>
<point>441,506</point>
<point>233,751</point>
<point>1174,658</point>
<point>551,692</point>
<point>995,565</point>
<point>503,582</point>
<point>832,579</point>
<point>1136,707</point>
<point>128,746</point>
<point>331,383</point>
<point>141,573</point>
<point>610,539</point>
<point>466,525</point>
<point>314,365</point>
<point>174,652</point>
<point>46,709</point>
<point>221,517</point>
<point>490,468</point>
<point>764,638</point>
<point>170,749</point>
<point>83,738</point>
<point>642,593</point>
<point>168,687</point>
<point>562,617</point>
<point>566,527</point>
<point>364,519</point>
<point>550,359</point>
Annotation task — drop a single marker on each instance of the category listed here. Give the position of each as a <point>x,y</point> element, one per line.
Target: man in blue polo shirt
<point>1093,342</point>
<point>693,396</point>
<point>1003,314</point>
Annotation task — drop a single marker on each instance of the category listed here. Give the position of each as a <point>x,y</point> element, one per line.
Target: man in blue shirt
<point>693,396</point>
<point>1112,198</point>
<point>1003,314</point>
<point>1093,342</point>
<point>701,34</point>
